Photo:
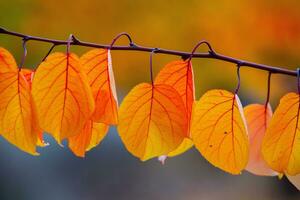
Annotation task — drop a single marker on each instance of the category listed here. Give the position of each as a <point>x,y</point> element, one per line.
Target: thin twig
<point>214,55</point>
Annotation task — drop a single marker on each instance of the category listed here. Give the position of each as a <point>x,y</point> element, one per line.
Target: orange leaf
<point>152,120</point>
<point>281,144</point>
<point>184,146</point>
<point>295,180</point>
<point>63,97</point>
<point>219,130</point>
<point>179,75</point>
<point>17,121</point>
<point>258,118</point>
<point>97,65</point>
<point>28,74</point>
<point>7,61</point>
<point>91,135</point>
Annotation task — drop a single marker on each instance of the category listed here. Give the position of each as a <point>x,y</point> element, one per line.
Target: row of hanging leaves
<point>75,99</point>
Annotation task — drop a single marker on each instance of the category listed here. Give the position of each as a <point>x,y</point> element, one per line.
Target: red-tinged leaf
<point>17,122</point>
<point>91,135</point>
<point>98,67</point>
<point>28,74</point>
<point>152,120</point>
<point>7,61</point>
<point>179,75</point>
<point>62,95</point>
<point>258,118</point>
<point>281,144</point>
<point>219,130</point>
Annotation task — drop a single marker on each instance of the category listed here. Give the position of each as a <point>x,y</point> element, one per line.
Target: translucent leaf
<point>7,61</point>
<point>258,118</point>
<point>152,120</point>
<point>17,122</point>
<point>219,130</point>
<point>281,144</point>
<point>62,95</point>
<point>98,67</point>
<point>90,136</point>
<point>179,75</point>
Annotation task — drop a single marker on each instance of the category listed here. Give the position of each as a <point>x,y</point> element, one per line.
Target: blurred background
<point>260,31</point>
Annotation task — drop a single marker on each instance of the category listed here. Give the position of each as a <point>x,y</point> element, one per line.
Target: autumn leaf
<point>258,118</point>
<point>281,144</point>
<point>62,95</point>
<point>295,180</point>
<point>90,136</point>
<point>98,67</point>
<point>28,74</point>
<point>7,61</point>
<point>152,120</point>
<point>17,122</point>
<point>219,130</point>
<point>179,75</point>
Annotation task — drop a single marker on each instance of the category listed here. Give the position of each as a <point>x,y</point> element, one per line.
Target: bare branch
<point>214,55</point>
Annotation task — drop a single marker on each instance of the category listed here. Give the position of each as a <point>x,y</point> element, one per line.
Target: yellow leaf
<point>62,95</point>
<point>184,146</point>
<point>17,121</point>
<point>258,118</point>
<point>97,65</point>
<point>219,130</point>
<point>152,120</point>
<point>281,144</point>
<point>7,61</point>
<point>90,136</point>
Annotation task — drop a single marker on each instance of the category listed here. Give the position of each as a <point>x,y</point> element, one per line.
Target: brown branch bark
<point>133,47</point>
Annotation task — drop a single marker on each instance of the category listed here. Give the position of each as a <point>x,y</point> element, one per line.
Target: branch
<point>134,47</point>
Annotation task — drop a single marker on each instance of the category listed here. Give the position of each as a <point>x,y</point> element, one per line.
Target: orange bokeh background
<point>266,32</point>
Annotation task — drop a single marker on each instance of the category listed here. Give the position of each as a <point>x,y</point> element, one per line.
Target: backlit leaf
<point>258,118</point>
<point>28,74</point>
<point>7,61</point>
<point>62,95</point>
<point>281,144</point>
<point>90,136</point>
<point>179,75</point>
<point>152,120</point>
<point>98,67</point>
<point>219,130</point>
<point>17,122</point>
